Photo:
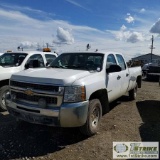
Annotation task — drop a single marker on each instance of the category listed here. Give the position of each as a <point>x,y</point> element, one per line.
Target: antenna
<point>88,47</point>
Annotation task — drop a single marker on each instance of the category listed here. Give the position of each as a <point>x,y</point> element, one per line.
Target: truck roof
<point>87,52</point>
<point>32,52</point>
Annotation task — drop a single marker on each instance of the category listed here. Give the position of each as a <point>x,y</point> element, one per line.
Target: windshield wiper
<point>71,66</point>
<point>9,65</point>
<point>57,66</point>
<point>74,67</point>
<point>77,67</point>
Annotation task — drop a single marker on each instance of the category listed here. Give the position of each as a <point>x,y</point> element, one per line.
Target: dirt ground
<point>127,121</point>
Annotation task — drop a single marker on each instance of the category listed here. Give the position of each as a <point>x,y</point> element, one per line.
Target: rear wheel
<point>94,115</point>
<point>3,91</point>
<point>133,93</point>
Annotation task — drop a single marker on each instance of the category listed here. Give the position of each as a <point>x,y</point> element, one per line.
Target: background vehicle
<point>74,91</point>
<point>145,68</point>
<point>153,73</point>
<point>13,62</point>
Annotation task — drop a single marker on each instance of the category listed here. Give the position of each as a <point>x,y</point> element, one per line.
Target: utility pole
<point>152,47</point>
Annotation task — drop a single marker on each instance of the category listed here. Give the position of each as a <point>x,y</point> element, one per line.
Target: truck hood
<point>6,72</point>
<point>9,69</point>
<point>54,76</point>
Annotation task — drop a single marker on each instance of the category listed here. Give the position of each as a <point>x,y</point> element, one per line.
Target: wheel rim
<point>95,117</point>
<point>135,91</point>
<point>3,98</point>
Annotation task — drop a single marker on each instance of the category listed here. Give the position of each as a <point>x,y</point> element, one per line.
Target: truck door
<point>124,74</point>
<point>113,80</point>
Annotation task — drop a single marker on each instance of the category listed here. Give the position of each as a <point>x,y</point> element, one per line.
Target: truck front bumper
<point>67,115</point>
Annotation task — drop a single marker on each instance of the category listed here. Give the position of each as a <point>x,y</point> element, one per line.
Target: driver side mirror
<point>113,68</point>
<point>47,64</point>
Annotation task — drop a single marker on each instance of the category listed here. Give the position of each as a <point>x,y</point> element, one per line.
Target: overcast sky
<point>124,26</point>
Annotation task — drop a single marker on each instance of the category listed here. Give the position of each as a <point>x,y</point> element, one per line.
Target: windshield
<point>12,59</point>
<point>82,61</point>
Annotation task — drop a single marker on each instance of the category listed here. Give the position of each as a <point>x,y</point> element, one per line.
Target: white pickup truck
<point>13,62</point>
<point>74,91</point>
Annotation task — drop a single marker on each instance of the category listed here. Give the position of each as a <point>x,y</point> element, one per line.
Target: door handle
<point>119,77</point>
<point>127,74</point>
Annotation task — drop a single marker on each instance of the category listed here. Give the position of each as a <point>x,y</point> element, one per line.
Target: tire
<point>94,115</point>
<point>3,92</point>
<point>133,93</point>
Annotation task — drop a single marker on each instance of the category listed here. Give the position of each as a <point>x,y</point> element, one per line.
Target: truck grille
<point>34,98</point>
<point>34,86</point>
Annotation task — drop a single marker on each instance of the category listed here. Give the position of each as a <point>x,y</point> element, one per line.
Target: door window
<point>50,58</point>
<point>111,59</point>
<point>39,58</point>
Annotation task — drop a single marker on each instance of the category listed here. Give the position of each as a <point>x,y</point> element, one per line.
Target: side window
<point>50,58</point>
<point>111,59</point>
<point>121,61</point>
<point>39,62</point>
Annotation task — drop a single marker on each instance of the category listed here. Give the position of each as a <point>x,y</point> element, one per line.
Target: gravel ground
<point>127,121</point>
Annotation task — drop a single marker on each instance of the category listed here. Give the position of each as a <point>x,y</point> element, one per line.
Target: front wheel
<point>133,93</point>
<point>94,115</point>
<point>3,91</point>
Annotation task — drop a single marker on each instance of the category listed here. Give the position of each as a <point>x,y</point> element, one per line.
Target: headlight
<point>75,94</point>
<point>61,90</point>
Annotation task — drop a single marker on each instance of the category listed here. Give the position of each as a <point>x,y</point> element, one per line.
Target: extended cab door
<point>113,80</point>
<point>124,74</point>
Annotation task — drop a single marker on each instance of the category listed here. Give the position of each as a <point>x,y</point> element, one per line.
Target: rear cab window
<point>121,61</point>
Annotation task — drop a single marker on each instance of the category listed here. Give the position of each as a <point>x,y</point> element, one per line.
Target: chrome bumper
<point>67,115</point>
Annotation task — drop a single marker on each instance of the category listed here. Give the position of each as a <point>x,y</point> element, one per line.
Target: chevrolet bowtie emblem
<point>29,92</point>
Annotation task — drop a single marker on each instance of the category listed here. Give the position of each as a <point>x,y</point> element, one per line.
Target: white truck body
<point>7,69</point>
<point>1,54</point>
<point>99,85</point>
